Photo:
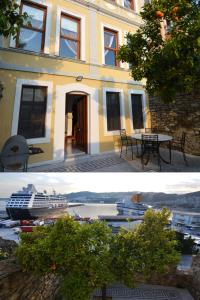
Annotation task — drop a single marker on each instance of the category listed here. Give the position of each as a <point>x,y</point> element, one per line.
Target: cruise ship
<point>29,204</point>
<point>132,206</point>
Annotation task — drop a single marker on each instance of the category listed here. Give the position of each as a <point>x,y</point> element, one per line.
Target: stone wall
<point>183,115</point>
<point>18,285</point>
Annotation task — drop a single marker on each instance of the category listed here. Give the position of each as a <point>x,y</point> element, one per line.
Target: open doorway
<point>76,124</point>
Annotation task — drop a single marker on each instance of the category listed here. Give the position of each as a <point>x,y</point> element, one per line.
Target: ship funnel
<point>137,198</point>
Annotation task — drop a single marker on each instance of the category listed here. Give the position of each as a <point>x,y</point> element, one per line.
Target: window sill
<point>113,67</point>
<point>42,54</point>
<point>111,133</point>
<point>42,140</point>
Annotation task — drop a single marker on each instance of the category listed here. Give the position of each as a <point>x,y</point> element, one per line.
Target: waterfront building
<point>65,90</point>
<point>184,219</point>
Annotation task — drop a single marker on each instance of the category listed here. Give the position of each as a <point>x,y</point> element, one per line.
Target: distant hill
<point>189,201</point>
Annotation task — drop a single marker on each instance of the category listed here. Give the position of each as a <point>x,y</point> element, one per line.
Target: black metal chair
<point>126,141</point>
<point>150,145</point>
<point>15,153</point>
<point>178,144</point>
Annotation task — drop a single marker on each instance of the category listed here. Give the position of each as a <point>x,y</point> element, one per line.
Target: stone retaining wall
<point>183,115</point>
<point>18,285</point>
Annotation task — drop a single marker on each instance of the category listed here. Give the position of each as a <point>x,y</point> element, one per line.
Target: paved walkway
<point>146,292</point>
<point>111,162</point>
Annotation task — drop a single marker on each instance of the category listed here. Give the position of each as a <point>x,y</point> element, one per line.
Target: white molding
<point>82,25</point>
<point>122,111</point>
<point>48,25</point>
<point>93,118</point>
<point>120,42</point>
<point>6,66</point>
<point>144,109</point>
<point>15,119</point>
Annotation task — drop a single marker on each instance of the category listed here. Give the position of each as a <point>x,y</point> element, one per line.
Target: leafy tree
<point>149,249</point>
<point>165,50</point>
<point>79,254</point>
<point>10,18</point>
<point>89,256</point>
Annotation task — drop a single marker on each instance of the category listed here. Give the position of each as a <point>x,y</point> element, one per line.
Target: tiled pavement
<point>145,292</point>
<point>111,162</point>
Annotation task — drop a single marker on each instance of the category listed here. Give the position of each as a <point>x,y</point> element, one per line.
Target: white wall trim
<point>120,40</point>
<point>93,118</point>
<point>144,108</point>
<point>122,110</point>
<point>82,21</point>
<point>15,119</point>
<point>6,66</point>
<point>48,25</point>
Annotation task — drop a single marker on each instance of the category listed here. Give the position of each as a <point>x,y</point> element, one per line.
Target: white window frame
<point>47,28</point>
<point>144,109</point>
<point>61,10</point>
<point>122,111</point>
<point>16,111</point>
<point>103,26</point>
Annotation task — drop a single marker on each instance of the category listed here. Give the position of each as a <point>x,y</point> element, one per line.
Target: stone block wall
<point>183,115</point>
<point>15,284</point>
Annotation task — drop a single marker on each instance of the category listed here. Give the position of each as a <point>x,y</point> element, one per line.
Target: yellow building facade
<point>62,80</point>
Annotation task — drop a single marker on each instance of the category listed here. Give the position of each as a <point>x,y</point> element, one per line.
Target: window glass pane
<point>68,48</point>
<point>110,58</point>
<point>40,94</point>
<point>109,39</point>
<point>32,112</point>
<point>137,111</point>
<point>27,94</point>
<point>37,16</point>
<point>69,28</point>
<point>127,3</point>
<point>30,40</point>
<point>113,111</point>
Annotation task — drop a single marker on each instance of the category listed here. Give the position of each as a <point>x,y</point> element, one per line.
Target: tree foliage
<point>10,18</point>
<point>147,250</point>
<point>88,256</point>
<point>170,64</point>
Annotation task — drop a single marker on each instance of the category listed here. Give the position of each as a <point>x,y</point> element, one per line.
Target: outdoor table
<point>162,138</point>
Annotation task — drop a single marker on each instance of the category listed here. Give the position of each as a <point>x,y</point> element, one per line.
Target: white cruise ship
<point>132,206</point>
<point>30,204</point>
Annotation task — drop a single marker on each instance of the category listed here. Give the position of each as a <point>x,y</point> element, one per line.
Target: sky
<point>101,182</point>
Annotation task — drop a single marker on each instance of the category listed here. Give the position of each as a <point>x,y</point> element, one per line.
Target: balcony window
<point>32,37</point>
<point>110,47</point>
<point>32,112</point>
<point>137,111</point>
<point>70,37</point>
<point>113,111</point>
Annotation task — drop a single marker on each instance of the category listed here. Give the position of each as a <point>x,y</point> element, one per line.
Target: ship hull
<point>34,213</point>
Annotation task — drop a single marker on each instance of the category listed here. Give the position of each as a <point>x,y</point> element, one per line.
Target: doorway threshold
<point>73,156</point>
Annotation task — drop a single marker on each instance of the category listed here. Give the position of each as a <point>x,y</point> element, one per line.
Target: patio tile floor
<point>146,292</point>
<point>111,162</point>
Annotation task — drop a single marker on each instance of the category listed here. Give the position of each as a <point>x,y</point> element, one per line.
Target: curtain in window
<point>108,41</point>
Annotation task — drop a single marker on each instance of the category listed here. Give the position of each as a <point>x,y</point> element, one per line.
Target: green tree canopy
<point>89,256</point>
<point>147,250</point>
<point>169,62</point>
<point>10,18</point>
<point>79,254</point>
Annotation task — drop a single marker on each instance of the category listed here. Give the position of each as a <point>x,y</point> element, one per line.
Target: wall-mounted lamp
<point>1,90</point>
<point>79,78</point>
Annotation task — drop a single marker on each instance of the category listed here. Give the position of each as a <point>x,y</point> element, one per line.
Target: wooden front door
<point>81,125</point>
